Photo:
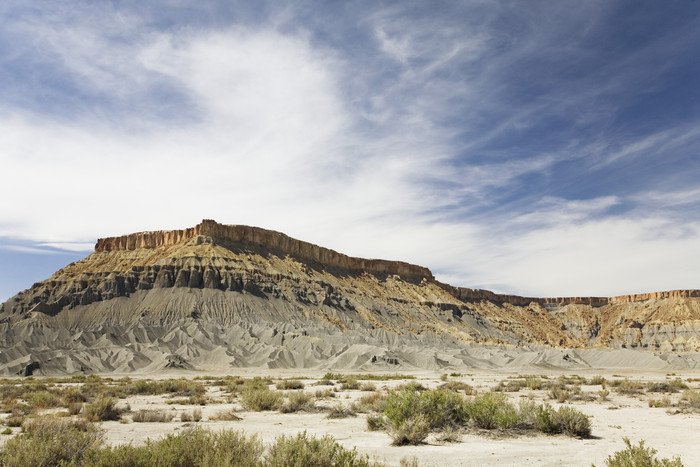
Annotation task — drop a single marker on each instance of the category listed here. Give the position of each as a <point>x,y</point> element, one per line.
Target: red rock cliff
<point>268,239</point>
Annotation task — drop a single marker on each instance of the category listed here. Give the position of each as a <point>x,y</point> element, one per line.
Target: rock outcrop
<point>221,296</point>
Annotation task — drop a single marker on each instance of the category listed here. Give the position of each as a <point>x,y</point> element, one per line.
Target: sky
<point>540,148</point>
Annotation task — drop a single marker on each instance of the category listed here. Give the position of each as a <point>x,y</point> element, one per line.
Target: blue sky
<point>538,148</point>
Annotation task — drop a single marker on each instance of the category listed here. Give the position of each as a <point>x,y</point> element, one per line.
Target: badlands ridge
<point>216,297</point>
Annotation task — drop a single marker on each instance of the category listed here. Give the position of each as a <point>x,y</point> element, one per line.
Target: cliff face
<point>266,239</point>
<point>230,289</point>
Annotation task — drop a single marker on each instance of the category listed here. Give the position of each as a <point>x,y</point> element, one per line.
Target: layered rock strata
<point>220,296</point>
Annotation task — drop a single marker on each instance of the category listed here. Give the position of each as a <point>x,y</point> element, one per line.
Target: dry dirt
<point>619,416</point>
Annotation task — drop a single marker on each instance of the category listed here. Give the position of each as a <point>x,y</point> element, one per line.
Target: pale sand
<point>620,416</point>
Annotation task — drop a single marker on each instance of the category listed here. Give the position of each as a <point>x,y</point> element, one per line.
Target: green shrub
<point>572,422</point>
<point>6,431</point>
<point>303,450</point>
<point>288,384</point>
<point>152,416</point>
<point>691,399</point>
<point>376,422</point>
<point>340,411</point>
<point>259,399</point>
<point>195,448</point>
<point>492,410</point>
<point>49,441</point>
<point>413,430</point>
<point>639,456</point>
<point>298,401</point>
<point>102,409</point>
<point>438,407</point>
<point>372,402</point>
<point>350,383</point>
<point>42,399</point>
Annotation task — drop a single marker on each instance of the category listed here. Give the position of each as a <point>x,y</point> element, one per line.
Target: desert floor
<point>613,417</point>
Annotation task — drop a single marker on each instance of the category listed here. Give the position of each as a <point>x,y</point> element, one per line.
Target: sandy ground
<point>620,416</point>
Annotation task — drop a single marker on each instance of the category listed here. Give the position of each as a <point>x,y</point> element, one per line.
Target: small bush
<point>376,422</point>
<point>691,399</point>
<point>50,441</point>
<point>457,386</point>
<point>42,399</point>
<point>288,384</point>
<point>572,422</point>
<point>492,410</point>
<point>7,431</point>
<point>191,448</point>
<point>628,387</point>
<point>368,387</point>
<point>372,402</point>
<point>662,386</point>
<point>350,384</point>
<point>438,407</point>
<point>259,399</point>
<point>152,416</point>
<point>413,430</point>
<point>74,408</point>
<point>639,456</point>
<point>226,415</point>
<point>597,380</point>
<point>15,420</point>
<point>102,409</point>
<point>340,411</point>
<point>302,450</point>
<point>298,401</point>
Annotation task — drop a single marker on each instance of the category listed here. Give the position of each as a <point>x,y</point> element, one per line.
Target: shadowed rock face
<point>222,296</point>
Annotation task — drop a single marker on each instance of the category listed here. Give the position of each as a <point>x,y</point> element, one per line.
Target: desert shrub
<point>102,409</point>
<point>73,395</point>
<point>74,408</point>
<point>340,411</point>
<point>639,456</point>
<point>349,384</point>
<point>691,399</point>
<point>597,380</point>
<point>572,422</point>
<point>660,403</point>
<point>368,386</point>
<point>302,449</point>
<point>6,431</point>
<point>259,399</point>
<point>195,448</point>
<point>413,430</point>
<point>323,393</point>
<point>372,402</point>
<point>662,386</point>
<point>408,462</point>
<point>226,415</point>
<point>42,399</point>
<point>449,434</point>
<point>678,383</point>
<point>457,386</point>
<point>376,422</point>
<point>15,420</point>
<point>288,384</point>
<point>152,416</point>
<point>50,441</point>
<point>528,410</point>
<point>195,415</point>
<point>492,410</point>
<point>627,387</point>
<point>560,392</point>
<point>298,401</point>
<point>603,394</point>
<point>438,407</point>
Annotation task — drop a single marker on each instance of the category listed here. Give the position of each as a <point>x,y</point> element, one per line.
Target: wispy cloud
<point>493,142</point>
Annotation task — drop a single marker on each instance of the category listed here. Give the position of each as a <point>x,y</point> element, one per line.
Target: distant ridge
<point>280,242</point>
<point>216,297</point>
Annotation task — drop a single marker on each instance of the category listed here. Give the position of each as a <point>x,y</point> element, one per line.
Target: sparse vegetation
<point>298,401</point>
<point>260,398</point>
<point>152,416</point>
<point>102,409</point>
<point>639,456</point>
<point>302,450</point>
